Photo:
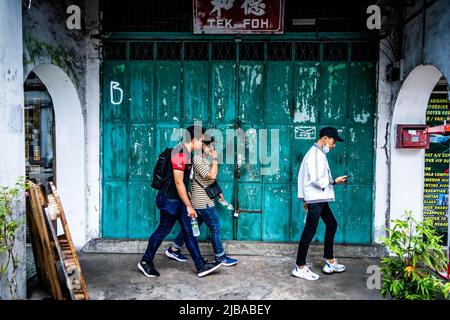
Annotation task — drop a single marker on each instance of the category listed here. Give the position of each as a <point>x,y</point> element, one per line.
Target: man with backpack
<point>205,171</point>
<point>171,178</point>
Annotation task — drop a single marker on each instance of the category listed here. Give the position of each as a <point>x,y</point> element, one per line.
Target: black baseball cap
<point>331,133</point>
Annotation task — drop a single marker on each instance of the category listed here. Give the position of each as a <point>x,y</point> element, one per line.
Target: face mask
<point>326,148</point>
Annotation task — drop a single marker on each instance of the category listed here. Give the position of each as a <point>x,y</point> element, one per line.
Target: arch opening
<point>68,145</point>
<point>407,166</point>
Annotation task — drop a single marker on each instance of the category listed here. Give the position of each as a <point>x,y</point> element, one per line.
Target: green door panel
<point>115,148</point>
<point>276,224</point>
<point>251,93</point>
<point>141,159</point>
<point>249,227</point>
<point>114,219</point>
<point>357,215</point>
<point>146,104</point>
<point>225,149</point>
<point>195,91</point>
<point>226,216</point>
<point>362,94</point>
<point>141,92</point>
<point>167,136</point>
<point>359,158</point>
<point>223,108</point>
<point>333,93</point>
<point>249,196</point>
<point>115,97</point>
<point>278,102</point>
<point>141,208</point>
<point>247,155</point>
<point>168,89</point>
<point>306,93</point>
<point>276,166</point>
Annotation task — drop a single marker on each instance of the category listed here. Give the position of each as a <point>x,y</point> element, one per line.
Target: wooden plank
<point>36,245</point>
<point>69,283</point>
<point>61,215</point>
<point>48,261</point>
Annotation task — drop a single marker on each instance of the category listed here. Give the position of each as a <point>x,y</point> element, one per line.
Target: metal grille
<point>196,51</point>
<point>251,51</point>
<point>224,50</point>
<point>141,51</point>
<point>335,51</point>
<point>115,51</point>
<point>248,50</point>
<point>279,51</point>
<point>169,50</point>
<point>307,51</point>
<point>364,51</point>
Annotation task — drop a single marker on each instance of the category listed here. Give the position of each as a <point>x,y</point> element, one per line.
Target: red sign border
<point>233,31</point>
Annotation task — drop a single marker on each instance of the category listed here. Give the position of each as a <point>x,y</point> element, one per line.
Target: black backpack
<point>161,172</point>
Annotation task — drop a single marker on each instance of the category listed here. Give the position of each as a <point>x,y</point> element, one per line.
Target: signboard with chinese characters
<point>238,16</point>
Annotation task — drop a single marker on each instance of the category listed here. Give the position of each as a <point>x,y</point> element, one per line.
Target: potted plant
<point>10,201</point>
<point>416,252</point>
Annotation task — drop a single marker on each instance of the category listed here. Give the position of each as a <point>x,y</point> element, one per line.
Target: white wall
<point>12,141</point>
<point>45,25</point>
<point>399,173</point>
<point>70,152</point>
<point>382,145</point>
<point>407,166</point>
<point>93,122</point>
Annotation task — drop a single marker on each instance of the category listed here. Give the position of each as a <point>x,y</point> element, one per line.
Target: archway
<point>69,146</point>
<point>407,166</point>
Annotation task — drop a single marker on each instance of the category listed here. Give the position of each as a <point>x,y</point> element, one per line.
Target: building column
<point>12,143</point>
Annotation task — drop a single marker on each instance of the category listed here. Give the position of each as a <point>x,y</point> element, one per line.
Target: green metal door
<point>291,89</point>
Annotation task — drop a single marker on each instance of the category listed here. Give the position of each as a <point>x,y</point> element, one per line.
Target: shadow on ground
<point>115,276</point>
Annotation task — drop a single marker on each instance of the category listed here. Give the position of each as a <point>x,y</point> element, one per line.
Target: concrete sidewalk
<point>115,276</point>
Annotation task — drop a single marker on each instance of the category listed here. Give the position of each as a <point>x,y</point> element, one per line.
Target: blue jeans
<point>171,211</point>
<point>211,218</point>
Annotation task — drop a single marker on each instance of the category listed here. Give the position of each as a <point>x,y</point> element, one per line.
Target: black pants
<point>316,211</point>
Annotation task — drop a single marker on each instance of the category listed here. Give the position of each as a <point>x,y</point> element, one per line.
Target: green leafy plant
<point>416,251</point>
<point>10,199</point>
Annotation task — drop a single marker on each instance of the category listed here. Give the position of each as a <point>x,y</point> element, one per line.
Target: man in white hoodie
<point>315,188</point>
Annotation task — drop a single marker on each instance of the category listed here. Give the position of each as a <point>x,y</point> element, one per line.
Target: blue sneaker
<point>227,261</point>
<point>176,255</point>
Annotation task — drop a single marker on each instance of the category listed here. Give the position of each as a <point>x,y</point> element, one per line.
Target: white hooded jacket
<point>314,177</point>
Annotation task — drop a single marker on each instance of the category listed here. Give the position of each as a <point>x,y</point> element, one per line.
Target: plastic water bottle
<point>195,228</point>
<point>226,204</point>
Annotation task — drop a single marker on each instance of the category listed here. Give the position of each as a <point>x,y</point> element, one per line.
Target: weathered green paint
<point>223,94</point>
<point>162,96</point>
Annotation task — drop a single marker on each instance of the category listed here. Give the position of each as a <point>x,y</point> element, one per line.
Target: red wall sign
<point>238,16</point>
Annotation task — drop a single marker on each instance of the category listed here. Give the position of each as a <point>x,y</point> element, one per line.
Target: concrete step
<point>250,248</point>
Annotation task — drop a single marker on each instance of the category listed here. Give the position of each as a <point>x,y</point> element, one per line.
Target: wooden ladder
<point>49,247</point>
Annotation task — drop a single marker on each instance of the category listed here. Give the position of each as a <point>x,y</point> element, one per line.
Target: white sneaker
<point>305,273</point>
<point>333,267</point>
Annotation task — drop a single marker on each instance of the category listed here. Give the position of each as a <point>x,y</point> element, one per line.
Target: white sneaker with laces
<point>305,273</point>
<point>333,267</point>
